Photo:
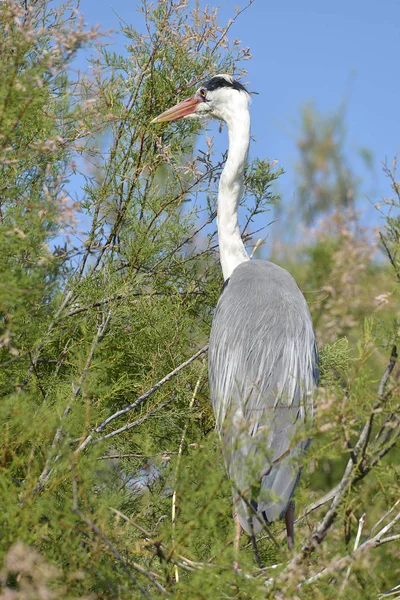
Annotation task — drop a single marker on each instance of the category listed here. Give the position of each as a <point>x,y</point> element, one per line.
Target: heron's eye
<point>203,92</point>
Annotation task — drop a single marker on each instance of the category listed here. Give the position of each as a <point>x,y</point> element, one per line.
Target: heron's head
<point>220,98</point>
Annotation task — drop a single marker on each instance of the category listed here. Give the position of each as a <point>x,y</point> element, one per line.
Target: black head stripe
<point>218,82</point>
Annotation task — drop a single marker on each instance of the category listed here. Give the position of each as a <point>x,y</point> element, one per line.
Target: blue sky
<point>310,50</point>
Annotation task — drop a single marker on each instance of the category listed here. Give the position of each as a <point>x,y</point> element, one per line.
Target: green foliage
<point>334,361</point>
<point>326,179</point>
<point>113,486</point>
<point>259,181</point>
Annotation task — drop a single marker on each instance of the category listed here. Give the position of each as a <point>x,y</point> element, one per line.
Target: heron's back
<point>262,371</point>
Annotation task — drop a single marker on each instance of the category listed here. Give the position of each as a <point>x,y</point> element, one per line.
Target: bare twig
<point>318,503</point>
<point>384,530</point>
<point>377,540</point>
<point>385,516</point>
<point>229,25</point>
<point>382,435</point>
<point>359,530</point>
<point>389,442</point>
<point>257,245</point>
<point>356,544</point>
<point>394,591</point>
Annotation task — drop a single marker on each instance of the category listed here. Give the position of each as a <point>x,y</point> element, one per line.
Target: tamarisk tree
<point>112,484</point>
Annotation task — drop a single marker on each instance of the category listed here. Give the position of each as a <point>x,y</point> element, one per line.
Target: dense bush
<point>112,483</point>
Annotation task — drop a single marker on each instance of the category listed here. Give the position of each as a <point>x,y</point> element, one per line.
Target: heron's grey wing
<point>263,370</point>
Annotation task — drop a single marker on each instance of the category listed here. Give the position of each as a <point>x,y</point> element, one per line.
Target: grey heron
<point>263,361</point>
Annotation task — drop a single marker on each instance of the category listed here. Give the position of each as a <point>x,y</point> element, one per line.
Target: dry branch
<point>229,25</point>
<point>356,469</point>
<point>136,423</point>
<point>137,402</point>
<point>377,540</point>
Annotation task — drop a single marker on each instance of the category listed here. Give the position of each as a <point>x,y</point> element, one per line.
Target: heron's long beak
<point>183,109</point>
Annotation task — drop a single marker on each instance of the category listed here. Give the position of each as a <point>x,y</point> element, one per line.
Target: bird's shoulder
<point>258,281</point>
<point>261,301</point>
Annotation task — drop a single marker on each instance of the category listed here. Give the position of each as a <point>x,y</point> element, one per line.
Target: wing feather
<point>263,369</point>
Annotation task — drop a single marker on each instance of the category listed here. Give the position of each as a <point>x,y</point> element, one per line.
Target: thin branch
<point>121,559</point>
<point>130,455</point>
<point>356,469</point>
<point>394,591</point>
<point>324,525</point>
<point>140,421</point>
<point>116,552</point>
<point>382,435</point>
<point>385,377</point>
<point>126,296</point>
<point>257,245</point>
<point>229,25</point>
<point>390,538</point>
<point>318,503</point>
<point>81,309</point>
<point>35,356</point>
<point>139,400</point>
<point>385,516</point>
<point>178,462</point>
<point>356,544</point>
<point>131,521</point>
<point>389,255</point>
<point>384,449</point>
<point>155,544</point>
<point>360,528</point>
<point>361,446</point>
<point>13,360</point>
<point>385,529</point>
<point>377,540</point>
<point>76,388</point>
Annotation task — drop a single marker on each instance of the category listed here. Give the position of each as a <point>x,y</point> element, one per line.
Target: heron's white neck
<point>231,247</point>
